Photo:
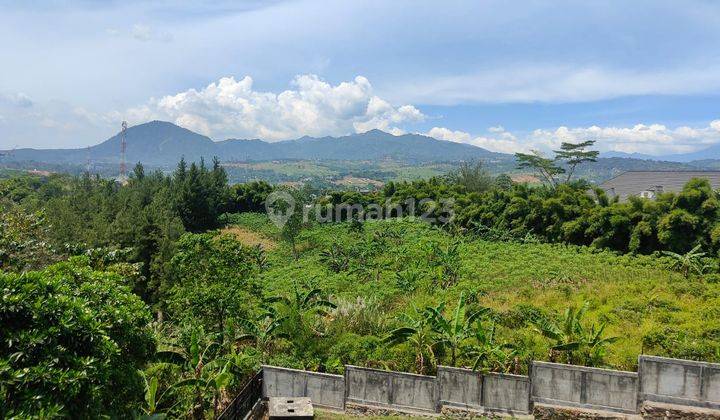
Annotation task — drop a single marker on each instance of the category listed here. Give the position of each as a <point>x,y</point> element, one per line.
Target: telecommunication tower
<point>123,146</point>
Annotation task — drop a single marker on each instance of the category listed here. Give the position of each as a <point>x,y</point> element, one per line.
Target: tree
<point>573,154</point>
<point>416,332</point>
<point>472,176</point>
<point>250,197</point>
<point>71,342</point>
<point>687,262</point>
<point>24,239</point>
<point>291,204</point>
<point>546,168</point>
<point>212,281</point>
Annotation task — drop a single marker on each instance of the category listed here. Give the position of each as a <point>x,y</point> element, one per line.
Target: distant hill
<point>162,143</point>
<point>710,153</point>
<point>640,156</point>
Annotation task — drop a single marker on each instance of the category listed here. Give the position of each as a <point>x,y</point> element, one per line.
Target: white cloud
<point>233,108</point>
<point>654,139</point>
<point>538,82</point>
<point>500,141</point>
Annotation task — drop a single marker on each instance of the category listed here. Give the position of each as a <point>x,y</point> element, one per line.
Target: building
<point>648,184</point>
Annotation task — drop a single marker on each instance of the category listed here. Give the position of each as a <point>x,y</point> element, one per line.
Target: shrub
<point>71,343</point>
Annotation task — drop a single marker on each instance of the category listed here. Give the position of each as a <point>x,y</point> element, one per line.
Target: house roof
<point>635,182</point>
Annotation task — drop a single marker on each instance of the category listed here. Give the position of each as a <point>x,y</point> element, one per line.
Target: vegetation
<point>160,296</point>
<point>71,342</point>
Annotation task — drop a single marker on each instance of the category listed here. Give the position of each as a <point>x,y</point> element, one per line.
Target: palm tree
<point>416,332</point>
<point>574,340</point>
<point>690,261</point>
<point>452,332</point>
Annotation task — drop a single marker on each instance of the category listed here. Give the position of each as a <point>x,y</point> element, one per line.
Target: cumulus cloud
<point>653,139</point>
<point>233,108</point>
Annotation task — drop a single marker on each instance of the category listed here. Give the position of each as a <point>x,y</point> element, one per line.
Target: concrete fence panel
<point>391,389</point>
<point>678,381</point>
<point>463,388</point>
<point>509,393</point>
<point>460,388</point>
<point>323,389</point>
<point>584,387</point>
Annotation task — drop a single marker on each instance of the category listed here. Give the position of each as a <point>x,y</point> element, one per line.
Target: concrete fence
<point>463,388</point>
<point>323,389</point>
<point>659,379</point>
<point>391,389</point>
<point>584,387</point>
<point>677,381</point>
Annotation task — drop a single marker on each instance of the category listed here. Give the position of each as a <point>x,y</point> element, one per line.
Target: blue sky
<point>640,76</point>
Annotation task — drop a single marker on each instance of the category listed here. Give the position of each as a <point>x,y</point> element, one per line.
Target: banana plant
<point>572,339</point>
<point>152,399</point>
<point>415,331</point>
<point>687,262</point>
<point>489,355</point>
<point>452,331</point>
<point>300,305</point>
<point>204,375</point>
<point>263,330</point>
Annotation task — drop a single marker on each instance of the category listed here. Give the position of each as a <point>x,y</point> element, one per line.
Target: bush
<point>71,343</point>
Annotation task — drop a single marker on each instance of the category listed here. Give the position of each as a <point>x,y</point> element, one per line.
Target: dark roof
<point>635,182</point>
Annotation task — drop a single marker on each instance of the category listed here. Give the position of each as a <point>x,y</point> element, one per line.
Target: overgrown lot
<point>391,267</point>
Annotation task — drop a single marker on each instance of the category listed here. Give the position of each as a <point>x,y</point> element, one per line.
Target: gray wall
<point>677,381</point>
<point>323,389</point>
<point>584,387</point>
<point>391,389</point>
<point>659,379</point>
<point>465,388</point>
<point>507,392</point>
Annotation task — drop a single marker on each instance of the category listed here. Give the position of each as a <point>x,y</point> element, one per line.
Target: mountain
<point>160,143</point>
<point>613,154</point>
<point>712,152</point>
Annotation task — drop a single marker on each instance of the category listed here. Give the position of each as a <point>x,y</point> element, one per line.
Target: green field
<point>649,308</point>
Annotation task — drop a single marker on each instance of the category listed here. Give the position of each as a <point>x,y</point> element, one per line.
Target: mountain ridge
<point>164,143</point>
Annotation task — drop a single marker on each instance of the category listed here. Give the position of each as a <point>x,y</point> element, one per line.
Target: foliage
<point>24,239</point>
<point>572,341</point>
<point>211,281</point>
<point>472,176</point>
<point>687,262</point>
<point>71,342</point>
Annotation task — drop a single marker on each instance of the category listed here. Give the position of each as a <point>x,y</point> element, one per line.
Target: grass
<point>249,237</point>
<point>649,308</point>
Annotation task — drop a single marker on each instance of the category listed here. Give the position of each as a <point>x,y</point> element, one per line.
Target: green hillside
<point>650,309</point>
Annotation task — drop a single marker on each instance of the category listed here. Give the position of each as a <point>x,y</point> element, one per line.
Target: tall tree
<point>573,154</point>
<point>545,167</point>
